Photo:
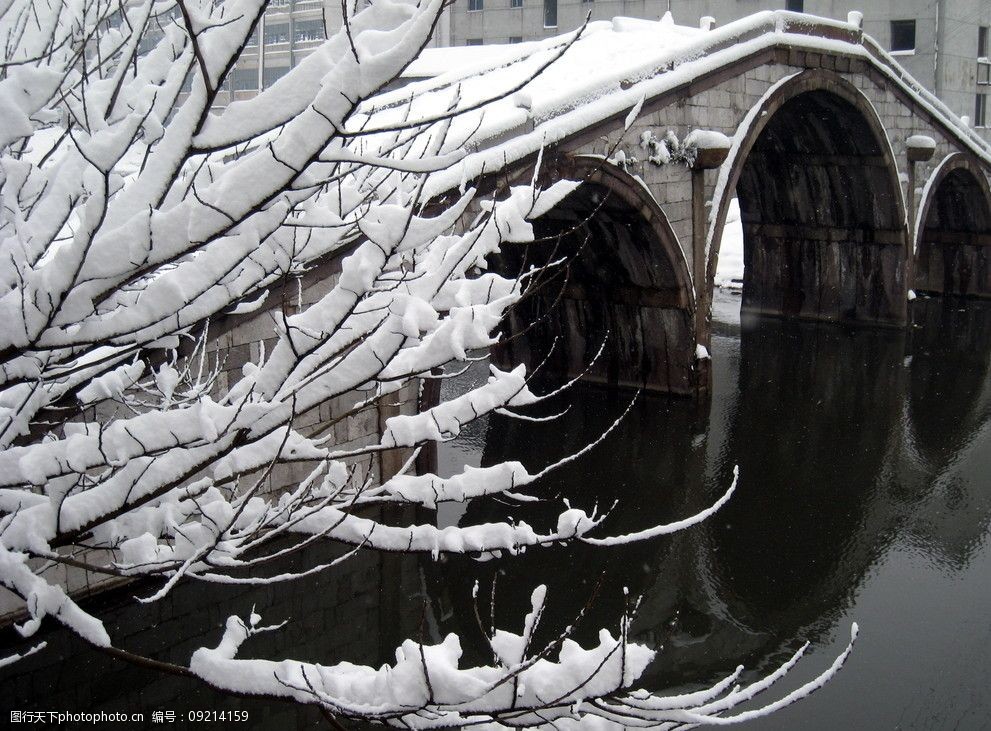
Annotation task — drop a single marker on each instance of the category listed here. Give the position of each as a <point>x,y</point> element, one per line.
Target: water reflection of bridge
<point>823,492</point>
<point>844,445</point>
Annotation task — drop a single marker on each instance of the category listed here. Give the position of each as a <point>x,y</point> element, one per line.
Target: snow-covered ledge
<point>920,148</point>
<point>711,148</point>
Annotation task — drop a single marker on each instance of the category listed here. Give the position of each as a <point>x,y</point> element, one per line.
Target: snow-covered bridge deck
<point>856,185</point>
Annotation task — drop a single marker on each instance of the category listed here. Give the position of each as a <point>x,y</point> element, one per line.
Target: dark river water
<point>864,496</point>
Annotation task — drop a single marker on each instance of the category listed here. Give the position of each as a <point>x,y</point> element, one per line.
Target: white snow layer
<point>608,70</point>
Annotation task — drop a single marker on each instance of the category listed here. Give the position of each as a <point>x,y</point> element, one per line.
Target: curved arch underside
<point>824,237</point>
<point>618,284</point>
<point>954,255</point>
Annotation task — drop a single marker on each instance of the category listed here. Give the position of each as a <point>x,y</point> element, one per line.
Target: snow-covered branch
<point>560,685</point>
<point>135,217</point>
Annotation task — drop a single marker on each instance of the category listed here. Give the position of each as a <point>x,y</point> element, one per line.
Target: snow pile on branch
<point>557,685</point>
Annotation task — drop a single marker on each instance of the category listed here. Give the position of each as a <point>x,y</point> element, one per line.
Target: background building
<point>942,43</point>
<point>289,31</point>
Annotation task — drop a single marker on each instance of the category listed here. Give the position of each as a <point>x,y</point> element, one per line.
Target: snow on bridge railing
<point>604,71</point>
<point>929,100</point>
<point>849,31</point>
<point>755,26</point>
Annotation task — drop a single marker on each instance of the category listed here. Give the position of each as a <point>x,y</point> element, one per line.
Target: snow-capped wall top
<point>621,40</point>
<point>603,71</point>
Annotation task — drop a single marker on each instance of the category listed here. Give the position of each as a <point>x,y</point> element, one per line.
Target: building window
<point>476,5</point>
<point>983,73</point>
<point>796,6</point>
<point>550,13</point>
<point>308,30</point>
<point>473,42</point>
<point>516,3</point>
<point>903,35</point>
<point>243,80</point>
<point>982,42</point>
<point>271,74</point>
<point>276,33</point>
<point>151,38</point>
<point>981,111</point>
<point>515,39</point>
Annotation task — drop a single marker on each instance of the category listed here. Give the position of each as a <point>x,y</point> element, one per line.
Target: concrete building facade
<point>944,44</point>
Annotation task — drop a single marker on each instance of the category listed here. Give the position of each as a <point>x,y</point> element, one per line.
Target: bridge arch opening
<point>824,233</point>
<point>953,255</point>
<point>622,281</point>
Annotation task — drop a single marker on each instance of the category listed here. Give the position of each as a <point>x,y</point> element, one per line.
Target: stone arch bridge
<point>857,188</point>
